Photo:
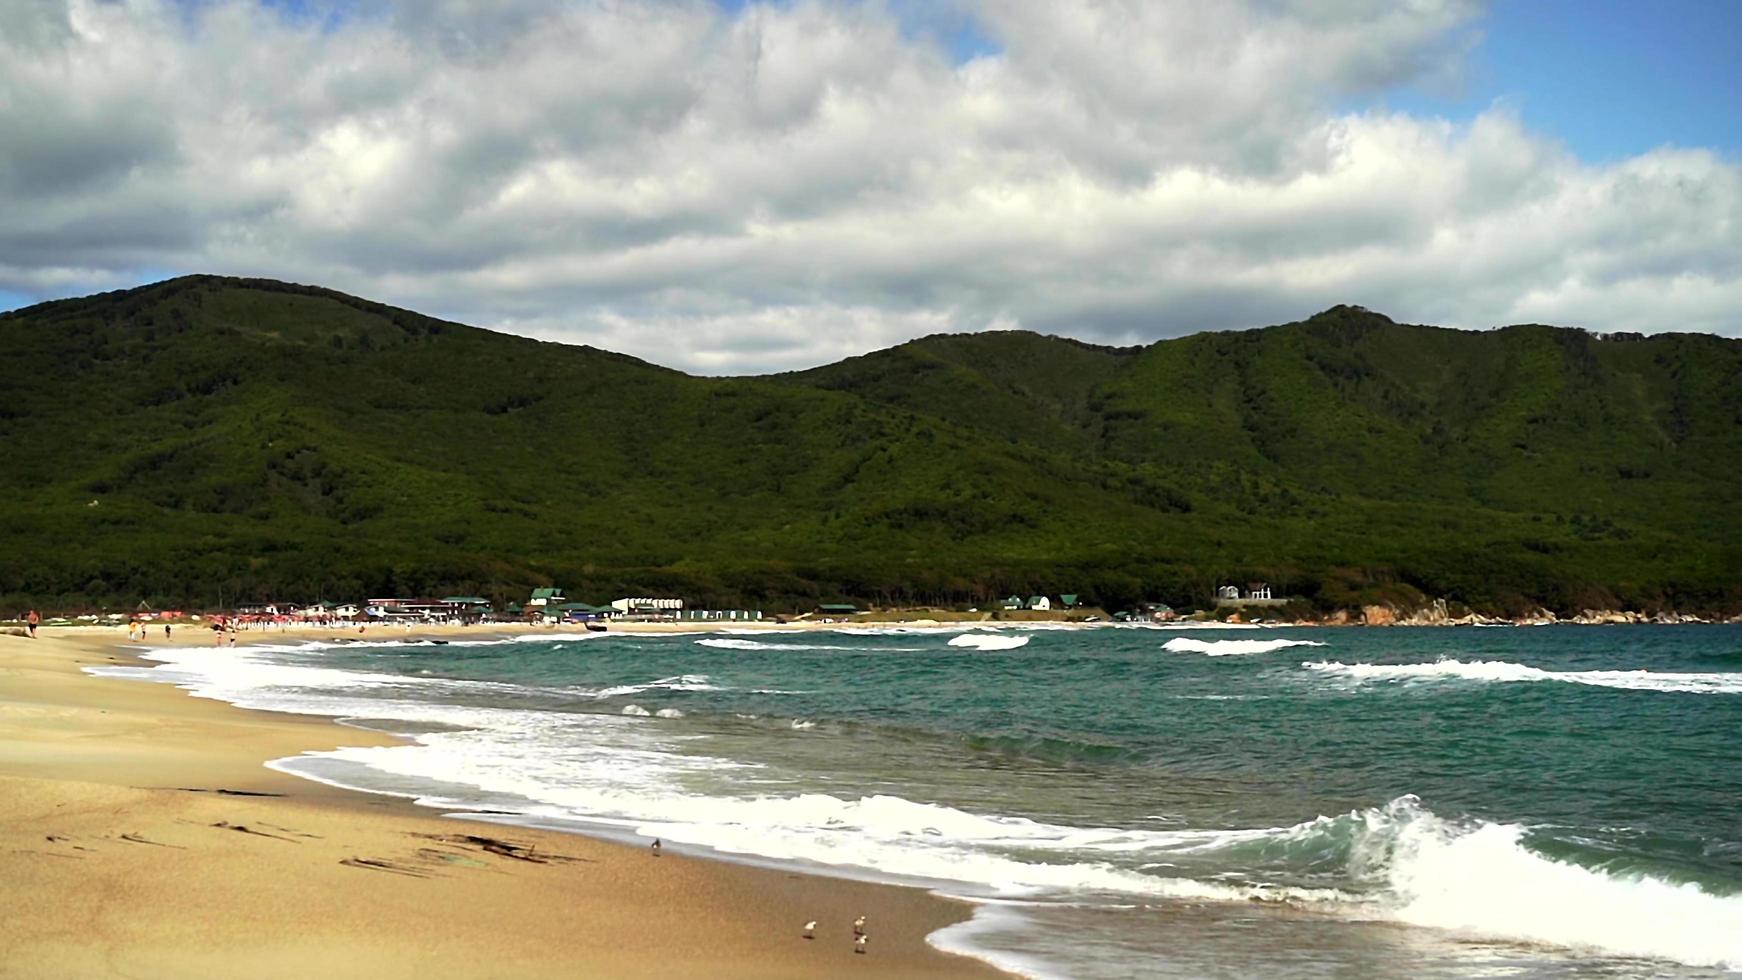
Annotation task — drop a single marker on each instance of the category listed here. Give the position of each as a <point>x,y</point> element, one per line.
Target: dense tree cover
<point>209,440</point>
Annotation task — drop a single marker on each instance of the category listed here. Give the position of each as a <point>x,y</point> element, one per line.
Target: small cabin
<point>1039,602</point>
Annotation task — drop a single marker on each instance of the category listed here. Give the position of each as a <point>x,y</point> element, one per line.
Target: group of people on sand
<point>136,630</point>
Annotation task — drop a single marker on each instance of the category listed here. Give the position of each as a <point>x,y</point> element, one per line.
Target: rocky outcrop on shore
<point>1441,613</point>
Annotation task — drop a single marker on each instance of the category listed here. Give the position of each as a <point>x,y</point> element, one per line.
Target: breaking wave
<point>733,644</point>
<point>682,682</point>
<point>1232,648</point>
<point>988,641</point>
<point>1500,671</point>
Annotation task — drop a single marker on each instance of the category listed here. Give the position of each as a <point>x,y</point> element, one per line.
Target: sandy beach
<point>142,836</point>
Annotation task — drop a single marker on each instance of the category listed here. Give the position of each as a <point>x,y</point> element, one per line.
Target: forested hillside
<point>248,438</point>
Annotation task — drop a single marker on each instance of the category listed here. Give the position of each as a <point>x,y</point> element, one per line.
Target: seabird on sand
<point>859,926</point>
<point>859,944</point>
<point>656,847</point>
<point>810,929</point>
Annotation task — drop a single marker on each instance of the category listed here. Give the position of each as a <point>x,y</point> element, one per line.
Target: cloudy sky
<point>733,187</point>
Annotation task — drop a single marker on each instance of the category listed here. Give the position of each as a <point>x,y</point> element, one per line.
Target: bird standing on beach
<point>810,929</point>
<point>657,847</point>
<point>859,926</point>
<point>859,944</point>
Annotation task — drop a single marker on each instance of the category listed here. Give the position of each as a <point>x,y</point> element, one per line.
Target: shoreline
<point>143,828</point>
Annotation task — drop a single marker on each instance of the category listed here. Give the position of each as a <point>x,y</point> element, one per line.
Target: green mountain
<point>209,439</point>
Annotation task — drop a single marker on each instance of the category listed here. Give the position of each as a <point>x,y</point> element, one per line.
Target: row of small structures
<point>552,605</point>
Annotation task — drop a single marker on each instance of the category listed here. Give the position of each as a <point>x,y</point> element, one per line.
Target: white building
<point>646,606</point>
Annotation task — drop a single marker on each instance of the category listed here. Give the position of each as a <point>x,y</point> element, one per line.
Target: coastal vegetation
<point>208,440</point>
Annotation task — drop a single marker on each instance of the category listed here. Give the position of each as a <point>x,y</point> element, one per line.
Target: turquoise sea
<point>1123,802</point>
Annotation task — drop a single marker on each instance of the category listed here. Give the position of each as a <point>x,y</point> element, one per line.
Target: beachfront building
<point>583,612</point>
<point>837,609</point>
<point>467,602</point>
<point>346,610</point>
<point>1070,600</point>
<point>468,608</point>
<point>721,615</point>
<point>1039,602</point>
<point>1011,603</point>
<point>647,606</point>
<point>429,610</point>
<point>1256,594</point>
<point>545,597</point>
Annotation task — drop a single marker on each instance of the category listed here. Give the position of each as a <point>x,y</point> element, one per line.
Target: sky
<point>731,187</point>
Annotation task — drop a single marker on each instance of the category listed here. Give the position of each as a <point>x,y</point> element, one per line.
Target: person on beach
<point>31,621</point>
<point>166,632</point>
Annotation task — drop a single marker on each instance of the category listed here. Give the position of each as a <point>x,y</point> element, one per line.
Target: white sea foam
<point>964,939</point>
<point>801,724</point>
<point>1500,671</point>
<point>668,713</point>
<point>988,641</point>
<point>1480,879</point>
<point>1232,648</point>
<point>636,711</point>
<point>682,682</point>
<point>735,644</point>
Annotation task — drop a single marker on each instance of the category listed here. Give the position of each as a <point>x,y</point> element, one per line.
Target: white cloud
<point>809,180</point>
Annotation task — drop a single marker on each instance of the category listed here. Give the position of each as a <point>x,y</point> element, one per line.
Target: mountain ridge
<point>265,438</point>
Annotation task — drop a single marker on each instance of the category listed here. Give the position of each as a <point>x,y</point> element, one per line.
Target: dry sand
<point>125,852</point>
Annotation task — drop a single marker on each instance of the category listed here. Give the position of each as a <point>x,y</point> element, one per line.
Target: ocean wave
<point>1232,648</point>
<point>1399,862</point>
<point>682,682</point>
<point>1479,878</point>
<point>733,644</point>
<point>988,641</point>
<point>1500,671</point>
<point>1403,863</point>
